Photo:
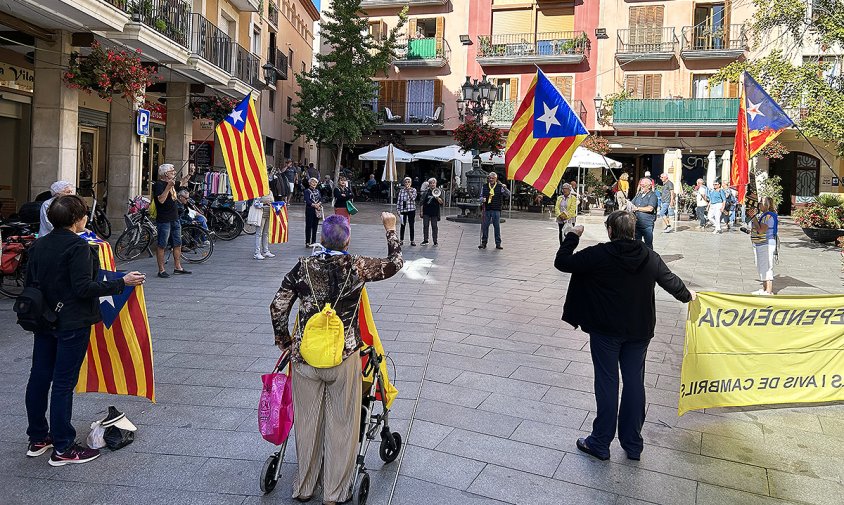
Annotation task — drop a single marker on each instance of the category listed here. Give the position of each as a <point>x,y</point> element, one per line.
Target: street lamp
<point>477,98</point>
<point>598,103</point>
<point>269,74</point>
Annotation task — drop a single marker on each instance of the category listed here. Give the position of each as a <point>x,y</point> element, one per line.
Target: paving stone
<point>411,491</point>
<point>502,385</point>
<point>453,394</point>
<point>440,467</point>
<point>510,453</point>
<point>714,495</point>
<point>460,349</point>
<point>535,410</point>
<point>428,435</point>
<point>801,488</point>
<point>523,488</point>
<point>467,419</point>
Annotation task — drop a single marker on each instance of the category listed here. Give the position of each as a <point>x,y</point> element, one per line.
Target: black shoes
<point>181,272</point>
<point>584,447</point>
<point>163,275</point>
<point>482,246</point>
<point>499,246</point>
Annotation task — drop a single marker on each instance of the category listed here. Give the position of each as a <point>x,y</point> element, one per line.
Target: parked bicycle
<point>197,243</point>
<point>13,259</point>
<point>222,218</point>
<point>97,220</point>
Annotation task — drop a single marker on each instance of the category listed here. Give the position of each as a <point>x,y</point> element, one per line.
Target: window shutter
<point>653,24</point>
<point>512,21</point>
<point>514,89</point>
<point>400,97</point>
<point>564,85</point>
<point>440,34</point>
<point>635,85</point>
<point>652,86</point>
<point>555,20</point>
<point>732,90</point>
<point>438,92</point>
<point>411,28</point>
<point>383,92</point>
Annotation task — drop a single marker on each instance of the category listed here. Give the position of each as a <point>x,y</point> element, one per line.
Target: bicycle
<point>18,239</point>
<point>97,220</point>
<point>139,231</point>
<point>223,220</point>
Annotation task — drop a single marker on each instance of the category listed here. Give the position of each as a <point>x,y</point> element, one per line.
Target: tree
<point>334,97</point>
<point>809,87</point>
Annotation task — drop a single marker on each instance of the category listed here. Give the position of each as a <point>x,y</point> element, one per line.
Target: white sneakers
<point>259,256</point>
<point>761,292</point>
<point>668,229</point>
<point>268,254</point>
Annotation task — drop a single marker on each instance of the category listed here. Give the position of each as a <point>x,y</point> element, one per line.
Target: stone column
<point>124,161</point>
<point>55,117</point>
<point>179,131</point>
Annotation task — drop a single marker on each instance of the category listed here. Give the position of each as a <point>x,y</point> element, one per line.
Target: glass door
<point>710,30</point>
<point>153,156</point>
<point>88,166</point>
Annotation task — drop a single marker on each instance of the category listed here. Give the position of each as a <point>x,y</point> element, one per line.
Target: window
<point>646,28</point>
<point>565,85</point>
<point>289,107</point>
<point>269,146</point>
<point>554,20</point>
<point>304,68</point>
<point>702,88</point>
<point>272,48</point>
<point>509,88</point>
<point>517,21</point>
<point>644,85</point>
<point>710,30</point>
<point>425,28</point>
<point>378,29</point>
<point>256,40</point>
<point>290,57</point>
<point>271,102</point>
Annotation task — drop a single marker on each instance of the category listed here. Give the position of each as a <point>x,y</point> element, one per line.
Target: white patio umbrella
<point>726,168</point>
<point>380,154</point>
<point>390,168</point>
<point>582,157</point>
<point>446,153</point>
<point>711,170</point>
<point>492,159</point>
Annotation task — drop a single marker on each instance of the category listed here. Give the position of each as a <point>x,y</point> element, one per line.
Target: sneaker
<point>482,246</point>
<point>258,256</point>
<point>424,242</point>
<point>761,292</point>
<point>268,254</point>
<point>499,246</point>
<point>435,243</point>
<point>667,229</point>
<point>413,243</point>
<point>38,448</point>
<point>163,275</point>
<point>76,454</point>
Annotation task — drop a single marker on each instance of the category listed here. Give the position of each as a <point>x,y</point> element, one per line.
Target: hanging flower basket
<point>597,144</point>
<point>215,107</point>
<point>479,137</point>
<point>110,73</point>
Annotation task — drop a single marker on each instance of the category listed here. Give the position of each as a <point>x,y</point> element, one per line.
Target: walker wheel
<point>390,449</point>
<point>360,493</point>
<point>268,475</point>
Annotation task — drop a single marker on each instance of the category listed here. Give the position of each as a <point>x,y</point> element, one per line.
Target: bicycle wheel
<point>227,224</point>
<point>197,245</point>
<point>12,284</point>
<point>132,243</point>
<point>249,229</point>
<point>101,224</point>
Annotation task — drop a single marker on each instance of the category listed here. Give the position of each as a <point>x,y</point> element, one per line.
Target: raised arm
<point>376,269</point>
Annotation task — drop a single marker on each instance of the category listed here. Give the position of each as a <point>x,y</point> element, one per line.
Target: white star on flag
<point>236,116</point>
<point>549,117</point>
<point>753,110</point>
<point>107,299</point>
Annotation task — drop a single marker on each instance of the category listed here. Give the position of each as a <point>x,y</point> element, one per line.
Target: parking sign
<point>143,122</point>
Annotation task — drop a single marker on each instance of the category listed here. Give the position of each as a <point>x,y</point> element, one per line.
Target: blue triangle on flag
<point>552,115</point>
<point>237,117</point>
<point>277,206</point>
<point>110,306</point>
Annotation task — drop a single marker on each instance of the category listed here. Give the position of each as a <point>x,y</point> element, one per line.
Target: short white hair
<point>184,192</point>
<point>313,179</point>
<point>407,179</point>
<point>663,175</point>
<point>432,179</point>
<point>60,187</point>
<point>164,168</point>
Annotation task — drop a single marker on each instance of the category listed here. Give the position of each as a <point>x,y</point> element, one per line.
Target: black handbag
<point>33,312</point>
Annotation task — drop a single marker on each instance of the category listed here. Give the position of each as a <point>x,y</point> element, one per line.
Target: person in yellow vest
<point>566,208</point>
<point>327,400</point>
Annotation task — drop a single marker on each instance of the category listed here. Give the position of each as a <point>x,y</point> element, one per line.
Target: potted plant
<point>476,136</point>
<point>110,72</point>
<point>213,107</point>
<point>823,219</point>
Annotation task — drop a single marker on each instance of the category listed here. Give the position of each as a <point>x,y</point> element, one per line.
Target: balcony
<point>96,15</point>
<point>504,111</point>
<point>645,44</point>
<point>210,59</point>
<point>246,5</point>
<point>431,52</point>
<point>279,62</point>
<point>380,4</point>
<point>159,28</point>
<point>530,48</point>
<point>247,72</point>
<point>272,14</point>
<point>676,113</point>
<point>414,115</point>
<point>706,42</point>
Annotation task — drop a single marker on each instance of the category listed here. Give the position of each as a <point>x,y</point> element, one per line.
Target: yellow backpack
<point>324,336</point>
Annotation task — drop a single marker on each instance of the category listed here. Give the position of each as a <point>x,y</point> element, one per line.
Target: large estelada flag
<point>760,121</point>
<point>369,336</point>
<point>243,151</point>
<point>278,223</point>
<point>119,357</point>
<point>543,137</point>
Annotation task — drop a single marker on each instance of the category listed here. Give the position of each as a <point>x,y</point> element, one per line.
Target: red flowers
<point>216,108</point>
<point>474,135</point>
<point>110,72</point>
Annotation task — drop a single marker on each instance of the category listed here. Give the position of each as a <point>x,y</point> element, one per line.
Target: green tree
<point>333,102</point>
<point>804,86</point>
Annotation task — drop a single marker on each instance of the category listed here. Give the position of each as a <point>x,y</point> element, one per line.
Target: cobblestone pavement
<point>494,388</point>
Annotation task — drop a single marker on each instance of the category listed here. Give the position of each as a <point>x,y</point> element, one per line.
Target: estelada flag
<point>543,137</point>
<point>104,250</point>
<point>760,121</point>
<point>243,151</point>
<point>278,223</point>
<point>369,336</point>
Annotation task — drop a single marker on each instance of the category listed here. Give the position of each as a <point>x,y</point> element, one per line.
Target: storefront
<point>16,83</point>
<point>92,159</point>
<point>153,149</point>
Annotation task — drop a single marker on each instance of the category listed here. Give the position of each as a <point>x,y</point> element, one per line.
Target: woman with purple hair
<point>327,401</point>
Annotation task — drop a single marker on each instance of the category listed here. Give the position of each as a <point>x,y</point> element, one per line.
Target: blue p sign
<point>143,122</point>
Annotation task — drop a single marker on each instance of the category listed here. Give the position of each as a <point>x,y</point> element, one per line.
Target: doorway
<point>800,175</point>
<point>153,156</point>
<point>89,171</point>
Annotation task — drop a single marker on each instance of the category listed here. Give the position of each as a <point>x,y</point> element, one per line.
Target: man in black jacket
<point>611,297</point>
<point>492,197</point>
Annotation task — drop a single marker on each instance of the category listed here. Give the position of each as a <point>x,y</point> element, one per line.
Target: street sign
<point>142,127</point>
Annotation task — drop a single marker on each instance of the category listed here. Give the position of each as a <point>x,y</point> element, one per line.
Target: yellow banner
<point>761,350</point>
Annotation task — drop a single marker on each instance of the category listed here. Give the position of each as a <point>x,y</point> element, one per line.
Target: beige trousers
<point>327,406</point>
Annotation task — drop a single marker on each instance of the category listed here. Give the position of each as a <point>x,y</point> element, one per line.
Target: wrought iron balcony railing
<point>246,66</point>
<point>171,18</point>
<point>279,61</point>
<point>504,111</point>
<point>646,40</point>
<point>715,38</point>
<point>676,111</point>
<point>210,42</point>
<point>422,49</point>
<point>272,14</point>
<point>409,113</point>
<point>533,45</point>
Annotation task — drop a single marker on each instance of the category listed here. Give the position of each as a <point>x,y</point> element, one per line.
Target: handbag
<point>255,216</point>
<point>275,409</point>
<point>351,208</point>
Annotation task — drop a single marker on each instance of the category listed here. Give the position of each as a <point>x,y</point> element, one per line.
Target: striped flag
<point>369,337</point>
<point>278,223</point>
<point>543,137</point>
<point>104,250</point>
<point>243,151</point>
<point>119,357</point>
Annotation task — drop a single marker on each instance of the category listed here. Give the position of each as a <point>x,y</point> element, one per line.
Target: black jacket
<point>612,287</point>
<point>501,192</point>
<point>65,269</point>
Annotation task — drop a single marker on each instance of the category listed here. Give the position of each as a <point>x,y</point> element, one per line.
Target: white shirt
<point>46,225</point>
<point>700,196</point>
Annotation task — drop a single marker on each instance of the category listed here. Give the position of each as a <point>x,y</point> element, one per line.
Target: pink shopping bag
<point>275,409</point>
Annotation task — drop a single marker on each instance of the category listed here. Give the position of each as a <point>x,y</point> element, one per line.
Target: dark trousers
<point>407,218</point>
<point>56,358</point>
<point>491,217</point>
<point>432,222</point>
<point>311,224</point>
<point>608,354</point>
<point>700,211</point>
<point>645,231</point>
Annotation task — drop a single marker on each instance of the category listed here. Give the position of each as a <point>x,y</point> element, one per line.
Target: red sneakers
<point>76,454</point>
<point>38,448</point>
